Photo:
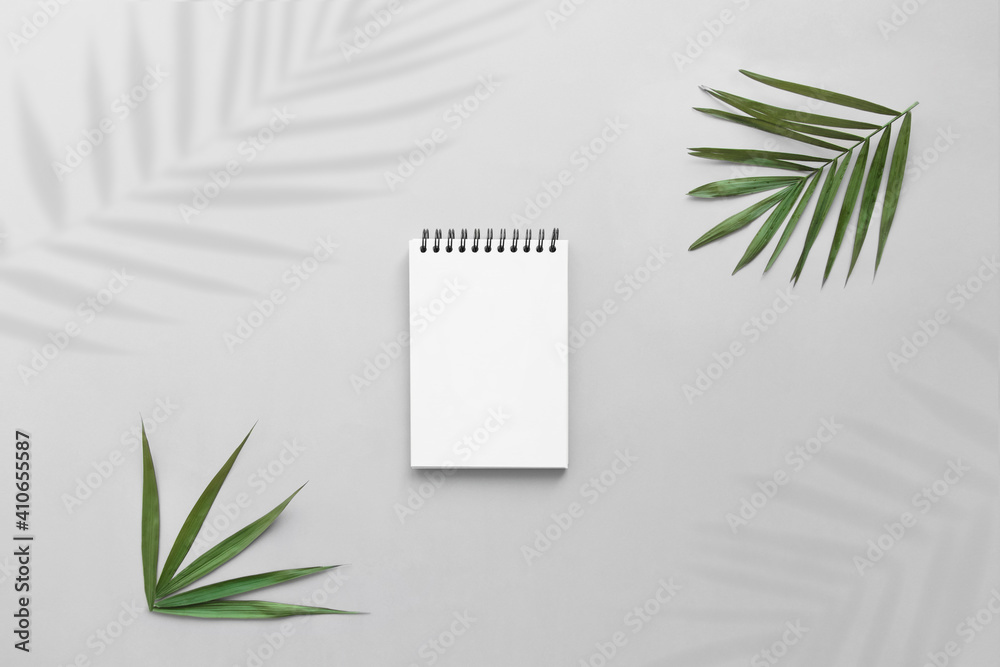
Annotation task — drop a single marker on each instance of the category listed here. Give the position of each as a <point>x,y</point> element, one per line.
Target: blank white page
<point>488,360</point>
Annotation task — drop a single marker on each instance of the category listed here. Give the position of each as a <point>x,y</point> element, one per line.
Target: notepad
<point>488,350</point>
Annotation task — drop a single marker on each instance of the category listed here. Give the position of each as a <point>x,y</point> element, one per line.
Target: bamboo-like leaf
<point>793,221</point>
<point>826,196</point>
<point>770,226</point>
<point>815,118</point>
<point>798,116</point>
<point>231,587</point>
<point>847,209</point>
<point>766,126</point>
<point>150,521</point>
<point>192,525</point>
<point>820,94</point>
<point>743,186</point>
<point>816,130</point>
<point>894,185</point>
<point>753,161</point>
<point>753,108</point>
<point>247,609</point>
<point>872,185</point>
<point>224,551</point>
<point>740,220</point>
<point>751,153</point>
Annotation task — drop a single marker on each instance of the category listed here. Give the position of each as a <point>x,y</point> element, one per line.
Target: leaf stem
<point>873,133</point>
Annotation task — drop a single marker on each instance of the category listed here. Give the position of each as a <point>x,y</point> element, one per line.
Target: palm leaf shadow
<point>910,602</point>
<point>263,63</point>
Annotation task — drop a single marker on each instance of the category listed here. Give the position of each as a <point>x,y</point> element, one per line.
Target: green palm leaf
<point>766,126</point>
<point>819,131</point>
<point>770,227</point>
<point>847,209</point>
<point>824,95</point>
<point>206,601</point>
<point>231,587</point>
<point>872,186</point>
<point>793,221</point>
<point>791,114</point>
<point>150,522</point>
<point>747,158</point>
<point>743,186</point>
<point>814,130</point>
<point>740,153</point>
<point>894,185</point>
<point>749,107</point>
<point>192,525</point>
<point>248,609</point>
<point>833,178</point>
<point>740,220</point>
<point>224,551</point>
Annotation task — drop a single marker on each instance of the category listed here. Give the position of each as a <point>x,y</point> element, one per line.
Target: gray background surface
<point>162,338</point>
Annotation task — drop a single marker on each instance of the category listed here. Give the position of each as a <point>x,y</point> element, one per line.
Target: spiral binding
<point>503,243</point>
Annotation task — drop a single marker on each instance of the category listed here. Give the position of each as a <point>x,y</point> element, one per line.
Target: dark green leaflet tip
<point>893,187</point>
<point>873,184</point>
<point>758,153</point>
<point>743,186</point>
<point>847,209</point>
<point>766,159</point>
<point>248,609</point>
<point>826,196</point>
<point>150,521</point>
<point>739,220</point>
<point>824,95</point>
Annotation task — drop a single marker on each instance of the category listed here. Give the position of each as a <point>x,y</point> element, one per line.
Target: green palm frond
<point>795,191</point>
<point>162,593</point>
